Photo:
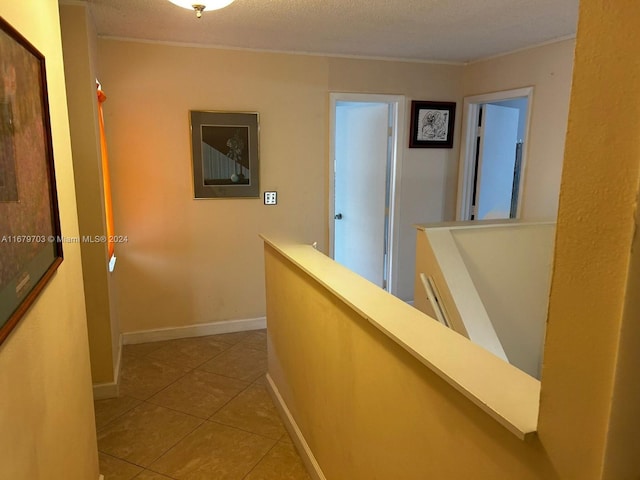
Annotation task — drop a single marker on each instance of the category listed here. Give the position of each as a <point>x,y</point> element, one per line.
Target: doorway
<point>493,155</point>
<point>364,172</point>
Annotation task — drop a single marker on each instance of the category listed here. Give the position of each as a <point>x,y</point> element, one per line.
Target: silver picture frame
<point>225,155</point>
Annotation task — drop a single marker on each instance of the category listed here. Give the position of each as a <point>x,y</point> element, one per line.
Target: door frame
<point>398,106</point>
<point>468,145</point>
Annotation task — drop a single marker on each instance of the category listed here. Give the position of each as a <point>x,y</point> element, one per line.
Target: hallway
<point>195,409</point>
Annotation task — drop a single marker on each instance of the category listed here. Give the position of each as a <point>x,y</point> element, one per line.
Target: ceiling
<point>424,30</point>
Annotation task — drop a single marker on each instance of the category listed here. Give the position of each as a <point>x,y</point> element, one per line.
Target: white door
<point>499,137</point>
<point>361,185</point>
<point>469,172</point>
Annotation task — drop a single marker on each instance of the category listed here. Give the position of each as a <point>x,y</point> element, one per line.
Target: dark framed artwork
<point>432,124</point>
<point>224,147</point>
<point>30,243</point>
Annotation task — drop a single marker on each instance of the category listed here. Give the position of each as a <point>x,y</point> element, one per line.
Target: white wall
<point>510,266</point>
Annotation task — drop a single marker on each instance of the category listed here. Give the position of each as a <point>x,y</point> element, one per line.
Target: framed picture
<point>30,243</point>
<point>224,147</point>
<point>432,124</point>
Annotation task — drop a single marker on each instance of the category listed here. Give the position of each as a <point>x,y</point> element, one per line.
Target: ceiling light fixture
<point>200,5</point>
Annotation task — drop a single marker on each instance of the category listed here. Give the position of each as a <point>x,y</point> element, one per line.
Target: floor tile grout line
<point>260,460</point>
<point>162,389</point>
<point>249,382</point>
<point>176,410</point>
<point>182,367</point>
<point>122,460</point>
<point>234,378</point>
<point>203,422</point>
<point>187,373</point>
<point>189,370</point>
<point>151,402</point>
<point>252,347</point>
<point>230,400</point>
<point>148,469</point>
<point>197,366</point>
<point>174,445</point>
<point>144,469</point>
<point>218,422</point>
<point>169,384</point>
<point>210,417</point>
<point>200,419</point>
<point>117,416</point>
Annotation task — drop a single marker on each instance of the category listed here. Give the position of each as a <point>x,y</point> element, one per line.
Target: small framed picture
<point>224,147</point>
<point>432,124</point>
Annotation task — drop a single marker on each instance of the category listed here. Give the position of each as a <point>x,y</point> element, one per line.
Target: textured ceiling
<point>437,30</point>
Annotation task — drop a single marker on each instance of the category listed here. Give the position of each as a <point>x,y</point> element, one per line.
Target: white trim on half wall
<point>309,460</point>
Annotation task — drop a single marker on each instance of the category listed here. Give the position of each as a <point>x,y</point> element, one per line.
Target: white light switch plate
<point>270,198</point>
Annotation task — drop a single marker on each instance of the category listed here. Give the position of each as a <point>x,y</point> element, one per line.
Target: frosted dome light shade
<point>207,4</point>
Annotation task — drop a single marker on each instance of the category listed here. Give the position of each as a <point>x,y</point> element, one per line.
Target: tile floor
<point>195,409</point>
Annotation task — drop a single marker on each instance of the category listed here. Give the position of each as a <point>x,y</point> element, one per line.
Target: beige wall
<point>46,410</point>
<point>79,44</point>
<point>197,261</point>
<point>548,69</point>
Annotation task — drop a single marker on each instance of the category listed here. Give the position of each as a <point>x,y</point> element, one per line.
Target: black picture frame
<point>225,156</point>
<point>30,238</point>
<point>432,124</point>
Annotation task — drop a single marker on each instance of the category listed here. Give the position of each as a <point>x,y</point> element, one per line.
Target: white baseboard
<point>102,391</point>
<point>302,446</point>
<point>199,330</point>
<point>410,302</point>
